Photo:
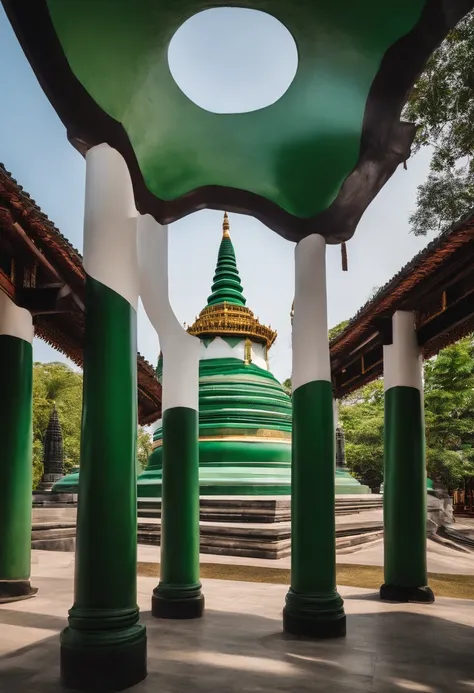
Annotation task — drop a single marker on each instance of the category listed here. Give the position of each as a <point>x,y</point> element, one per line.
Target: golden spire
<point>226,227</point>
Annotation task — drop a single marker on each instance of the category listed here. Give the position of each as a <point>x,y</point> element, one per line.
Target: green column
<point>104,643</point>
<point>405,570</point>
<point>104,647</point>
<point>178,594</point>
<point>16,444</point>
<point>313,606</point>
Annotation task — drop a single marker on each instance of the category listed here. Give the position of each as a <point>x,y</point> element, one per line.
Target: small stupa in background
<point>53,453</point>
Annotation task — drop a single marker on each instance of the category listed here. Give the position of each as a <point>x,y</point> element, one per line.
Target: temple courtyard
<point>239,644</point>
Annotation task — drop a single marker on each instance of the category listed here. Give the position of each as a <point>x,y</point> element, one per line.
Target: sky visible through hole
<point>232,59</point>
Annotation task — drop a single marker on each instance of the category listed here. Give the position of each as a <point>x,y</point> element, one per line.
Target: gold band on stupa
<point>232,320</point>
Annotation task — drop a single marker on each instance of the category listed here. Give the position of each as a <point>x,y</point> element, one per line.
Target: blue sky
<point>33,146</point>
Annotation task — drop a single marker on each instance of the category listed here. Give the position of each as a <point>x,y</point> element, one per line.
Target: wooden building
<point>41,271</point>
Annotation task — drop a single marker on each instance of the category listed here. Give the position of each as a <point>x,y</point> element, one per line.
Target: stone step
<point>259,540</point>
<point>257,508</point>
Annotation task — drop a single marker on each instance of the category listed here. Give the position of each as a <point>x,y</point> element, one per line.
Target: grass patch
<point>369,576</point>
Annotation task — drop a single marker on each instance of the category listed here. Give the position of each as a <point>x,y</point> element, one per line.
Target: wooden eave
<point>28,234</point>
<point>437,284</point>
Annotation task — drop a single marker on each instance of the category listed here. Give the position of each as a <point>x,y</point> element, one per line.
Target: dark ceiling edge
<point>385,142</point>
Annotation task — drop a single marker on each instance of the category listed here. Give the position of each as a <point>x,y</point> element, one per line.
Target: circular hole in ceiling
<point>232,59</point>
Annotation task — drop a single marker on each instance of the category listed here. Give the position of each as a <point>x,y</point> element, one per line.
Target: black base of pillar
<point>297,624</point>
<point>186,607</point>
<point>15,590</point>
<point>106,667</point>
<point>395,593</point>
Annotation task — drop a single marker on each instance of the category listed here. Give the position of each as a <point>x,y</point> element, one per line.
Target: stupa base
<point>259,526</point>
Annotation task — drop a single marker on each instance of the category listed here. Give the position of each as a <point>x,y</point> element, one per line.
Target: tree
<point>144,448</point>
<point>449,413</point>
<point>337,329</point>
<point>56,383</point>
<point>442,105</point>
<point>362,418</point>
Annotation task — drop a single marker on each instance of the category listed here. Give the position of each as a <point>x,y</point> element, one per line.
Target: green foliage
<point>449,413</point>
<point>442,105</point>
<point>442,200</point>
<point>144,447</point>
<point>56,383</point>
<point>286,385</point>
<point>362,417</point>
<point>337,329</point>
<point>449,419</point>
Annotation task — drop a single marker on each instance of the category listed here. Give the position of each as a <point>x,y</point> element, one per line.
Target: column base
<point>397,593</point>
<point>314,615</point>
<point>105,661</point>
<point>16,590</point>
<point>166,603</point>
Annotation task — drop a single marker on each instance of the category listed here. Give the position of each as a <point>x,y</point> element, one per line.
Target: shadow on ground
<point>236,652</point>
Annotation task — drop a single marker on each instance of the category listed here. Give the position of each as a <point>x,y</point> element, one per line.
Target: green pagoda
<point>244,412</point>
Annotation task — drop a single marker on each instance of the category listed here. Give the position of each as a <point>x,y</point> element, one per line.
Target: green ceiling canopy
<point>311,162</point>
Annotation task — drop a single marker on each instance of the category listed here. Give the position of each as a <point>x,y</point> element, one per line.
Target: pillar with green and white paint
<point>104,647</point>
<point>16,445</point>
<point>405,571</point>
<point>178,594</point>
<point>313,606</point>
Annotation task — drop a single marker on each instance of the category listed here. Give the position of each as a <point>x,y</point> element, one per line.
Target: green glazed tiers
<point>244,433</point>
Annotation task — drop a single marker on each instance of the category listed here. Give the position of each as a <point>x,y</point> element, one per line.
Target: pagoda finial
<point>226,287</point>
<point>225,312</point>
<point>226,227</point>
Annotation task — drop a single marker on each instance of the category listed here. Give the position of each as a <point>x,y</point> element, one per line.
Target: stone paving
<point>239,647</point>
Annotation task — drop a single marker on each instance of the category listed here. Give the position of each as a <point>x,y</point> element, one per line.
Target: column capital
<point>402,358</point>
<point>110,219</point>
<point>15,321</point>
<point>180,350</point>
<point>310,323</point>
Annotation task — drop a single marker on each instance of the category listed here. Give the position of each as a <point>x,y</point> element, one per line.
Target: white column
<point>110,222</point>
<point>180,349</point>
<point>310,320</point>
<point>402,360</point>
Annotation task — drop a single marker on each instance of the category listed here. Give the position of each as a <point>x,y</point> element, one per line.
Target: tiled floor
<point>238,645</point>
